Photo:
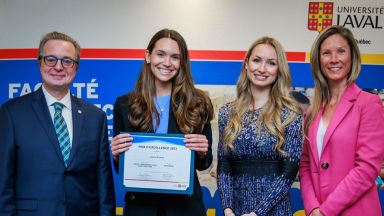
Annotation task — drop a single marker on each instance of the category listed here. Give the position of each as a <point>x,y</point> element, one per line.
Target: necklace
<point>162,104</point>
<point>161,111</point>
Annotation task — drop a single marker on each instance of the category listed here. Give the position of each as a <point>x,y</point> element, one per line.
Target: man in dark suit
<point>54,154</point>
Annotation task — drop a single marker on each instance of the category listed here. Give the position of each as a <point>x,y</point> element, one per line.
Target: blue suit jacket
<point>33,178</point>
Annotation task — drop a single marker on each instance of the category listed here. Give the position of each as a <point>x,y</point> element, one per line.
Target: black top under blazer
<point>155,204</point>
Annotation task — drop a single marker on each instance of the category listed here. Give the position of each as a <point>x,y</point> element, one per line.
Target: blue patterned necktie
<point>62,132</point>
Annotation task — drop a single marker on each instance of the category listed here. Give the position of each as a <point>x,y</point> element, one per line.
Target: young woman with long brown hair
<point>165,101</point>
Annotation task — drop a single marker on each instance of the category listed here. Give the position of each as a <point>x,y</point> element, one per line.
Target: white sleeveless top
<point>320,136</point>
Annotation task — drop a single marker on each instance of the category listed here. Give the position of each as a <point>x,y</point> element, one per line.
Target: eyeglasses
<point>51,61</point>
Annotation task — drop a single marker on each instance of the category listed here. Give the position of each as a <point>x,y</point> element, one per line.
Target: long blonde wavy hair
<point>271,111</point>
<point>322,93</point>
<point>191,107</point>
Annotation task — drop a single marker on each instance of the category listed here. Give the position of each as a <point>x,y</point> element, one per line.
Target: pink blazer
<point>342,182</point>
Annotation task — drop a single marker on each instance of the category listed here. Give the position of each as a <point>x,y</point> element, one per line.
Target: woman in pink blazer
<point>344,147</point>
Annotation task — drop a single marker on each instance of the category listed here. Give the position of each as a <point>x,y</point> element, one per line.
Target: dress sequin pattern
<point>262,194</point>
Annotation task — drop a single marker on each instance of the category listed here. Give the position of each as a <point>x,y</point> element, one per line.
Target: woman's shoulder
<point>285,112</point>
<point>124,99</point>
<point>202,103</point>
<point>369,103</point>
<point>289,113</point>
<point>225,109</point>
<point>200,94</point>
<point>360,97</point>
<point>227,106</point>
<point>366,98</point>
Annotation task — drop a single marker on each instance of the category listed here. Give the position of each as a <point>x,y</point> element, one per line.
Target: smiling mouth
<point>334,69</point>
<point>260,77</point>
<point>59,77</point>
<point>165,71</point>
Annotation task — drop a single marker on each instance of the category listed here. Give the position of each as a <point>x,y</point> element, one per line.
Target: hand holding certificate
<point>158,163</point>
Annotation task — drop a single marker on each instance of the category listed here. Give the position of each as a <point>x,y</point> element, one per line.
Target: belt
<point>256,168</point>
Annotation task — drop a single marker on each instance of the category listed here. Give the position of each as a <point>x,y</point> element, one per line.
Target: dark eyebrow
<point>163,51</point>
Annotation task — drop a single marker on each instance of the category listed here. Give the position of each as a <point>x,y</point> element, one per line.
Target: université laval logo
<point>320,15</point>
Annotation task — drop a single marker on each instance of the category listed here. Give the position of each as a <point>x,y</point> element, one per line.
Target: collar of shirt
<point>66,100</point>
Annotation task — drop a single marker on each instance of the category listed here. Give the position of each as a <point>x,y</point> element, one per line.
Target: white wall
<point>205,24</point>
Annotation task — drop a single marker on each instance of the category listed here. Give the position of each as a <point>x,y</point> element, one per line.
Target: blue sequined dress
<point>255,178</point>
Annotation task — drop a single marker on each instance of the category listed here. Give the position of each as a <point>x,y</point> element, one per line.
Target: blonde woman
<point>260,136</point>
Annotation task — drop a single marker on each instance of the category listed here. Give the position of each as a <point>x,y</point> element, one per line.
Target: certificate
<point>157,163</point>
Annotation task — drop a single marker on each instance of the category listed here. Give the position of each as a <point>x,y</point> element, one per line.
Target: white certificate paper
<point>158,163</point>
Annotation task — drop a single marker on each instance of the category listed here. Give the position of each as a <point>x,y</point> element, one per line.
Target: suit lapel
<point>172,124</point>
<point>42,112</point>
<point>345,104</point>
<point>77,118</point>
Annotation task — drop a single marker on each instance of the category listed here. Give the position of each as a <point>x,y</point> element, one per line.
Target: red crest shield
<point>320,15</point>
